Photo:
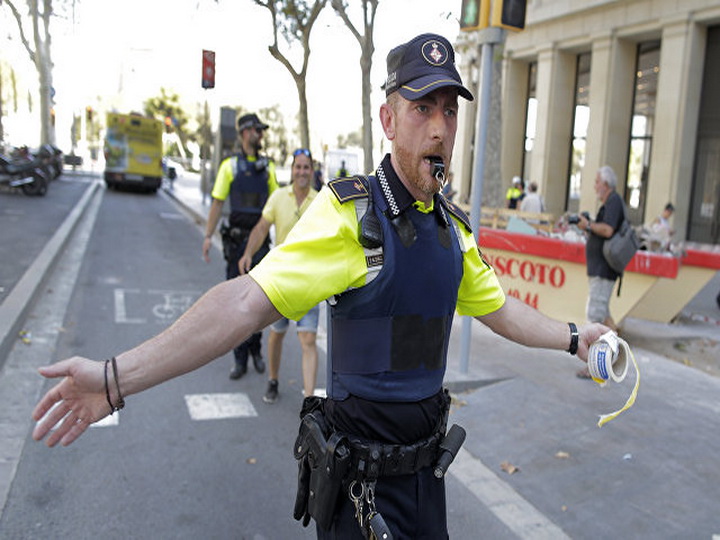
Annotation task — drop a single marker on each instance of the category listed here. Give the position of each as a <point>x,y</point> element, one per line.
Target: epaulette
<point>347,189</point>
<point>459,214</point>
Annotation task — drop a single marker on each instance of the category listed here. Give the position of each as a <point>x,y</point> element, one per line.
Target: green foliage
<point>203,135</point>
<point>353,139</point>
<point>166,108</point>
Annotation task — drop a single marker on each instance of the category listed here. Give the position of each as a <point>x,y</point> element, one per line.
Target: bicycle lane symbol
<point>174,304</point>
<point>166,305</point>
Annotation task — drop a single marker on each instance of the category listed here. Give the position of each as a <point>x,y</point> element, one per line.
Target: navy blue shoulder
<point>347,189</point>
<point>459,214</point>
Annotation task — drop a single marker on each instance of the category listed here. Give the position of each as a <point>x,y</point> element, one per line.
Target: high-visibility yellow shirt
<point>513,193</point>
<point>226,175</point>
<point>322,257</point>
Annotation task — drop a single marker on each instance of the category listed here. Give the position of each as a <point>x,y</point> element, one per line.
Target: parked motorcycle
<point>27,174</point>
<point>52,160</point>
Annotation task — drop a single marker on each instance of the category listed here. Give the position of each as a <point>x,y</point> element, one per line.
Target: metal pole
<point>487,38</point>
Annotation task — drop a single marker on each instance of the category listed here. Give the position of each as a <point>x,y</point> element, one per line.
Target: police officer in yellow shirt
<point>283,209</point>
<point>248,178</point>
<point>397,261</point>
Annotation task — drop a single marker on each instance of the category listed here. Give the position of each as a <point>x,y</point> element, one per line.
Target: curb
<point>199,218</point>
<point>16,305</point>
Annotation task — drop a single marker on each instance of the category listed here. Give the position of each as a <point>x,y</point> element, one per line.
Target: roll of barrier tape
<point>608,359</point>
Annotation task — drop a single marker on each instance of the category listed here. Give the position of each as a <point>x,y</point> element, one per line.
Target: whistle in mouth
<point>438,171</point>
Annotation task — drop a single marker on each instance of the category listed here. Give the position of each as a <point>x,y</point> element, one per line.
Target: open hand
<point>74,403</point>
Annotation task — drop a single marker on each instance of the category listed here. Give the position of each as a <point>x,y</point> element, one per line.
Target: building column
<point>612,79</point>
<point>556,99</point>
<point>516,74</point>
<point>682,57</point>
<point>463,154</point>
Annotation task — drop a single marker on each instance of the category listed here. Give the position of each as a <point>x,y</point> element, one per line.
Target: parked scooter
<point>51,158</point>
<point>27,174</point>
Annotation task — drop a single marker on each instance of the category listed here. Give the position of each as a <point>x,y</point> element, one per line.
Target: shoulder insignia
<point>458,213</point>
<point>347,189</point>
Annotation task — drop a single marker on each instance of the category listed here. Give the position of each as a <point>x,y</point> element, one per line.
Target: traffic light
<point>208,69</point>
<point>474,14</point>
<point>509,14</point>
<point>88,114</point>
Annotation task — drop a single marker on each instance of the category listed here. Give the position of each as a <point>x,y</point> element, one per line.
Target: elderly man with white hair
<point>601,277</point>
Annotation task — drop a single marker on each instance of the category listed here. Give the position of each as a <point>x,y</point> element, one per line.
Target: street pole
<point>487,38</point>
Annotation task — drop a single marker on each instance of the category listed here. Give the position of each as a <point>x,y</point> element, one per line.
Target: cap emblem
<point>434,52</point>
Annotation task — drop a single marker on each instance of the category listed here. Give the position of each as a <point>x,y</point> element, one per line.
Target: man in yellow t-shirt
<point>283,209</point>
<point>399,261</point>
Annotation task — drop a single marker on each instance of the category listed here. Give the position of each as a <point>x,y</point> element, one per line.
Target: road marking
<point>121,310</point>
<point>502,500</point>
<point>216,406</point>
<point>168,215</point>
<point>172,304</point>
<point>108,421</point>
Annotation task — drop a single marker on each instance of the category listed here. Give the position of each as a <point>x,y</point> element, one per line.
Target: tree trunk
<point>43,64</point>
<point>47,129</point>
<point>303,119</point>
<point>366,66</point>
<point>2,131</point>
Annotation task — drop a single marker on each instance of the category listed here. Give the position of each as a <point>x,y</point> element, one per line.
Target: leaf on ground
<point>562,455</point>
<point>509,467</point>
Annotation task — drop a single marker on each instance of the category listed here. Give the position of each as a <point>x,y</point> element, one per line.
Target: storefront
<point>550,275</point>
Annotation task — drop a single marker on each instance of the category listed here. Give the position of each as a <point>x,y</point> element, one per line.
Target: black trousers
<point>252,344</point>
<point>413,506</point>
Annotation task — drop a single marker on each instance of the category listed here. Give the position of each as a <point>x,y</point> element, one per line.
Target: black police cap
<point>251,120</point>
<point>422,65</point>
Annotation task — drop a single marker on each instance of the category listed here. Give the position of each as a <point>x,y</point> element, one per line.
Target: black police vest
<point>248,191</point>
<point>389,338</point>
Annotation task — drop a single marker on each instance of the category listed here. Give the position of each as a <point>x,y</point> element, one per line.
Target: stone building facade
<point>634,84</point>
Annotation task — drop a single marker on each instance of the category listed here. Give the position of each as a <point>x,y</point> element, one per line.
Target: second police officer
<point>248,178</point>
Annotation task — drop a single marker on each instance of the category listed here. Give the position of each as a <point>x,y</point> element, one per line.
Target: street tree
<point>367,48</point>
<point>39,15</point>
<point>167,108</point>
<point>294,20</point>
<point>352,139</point>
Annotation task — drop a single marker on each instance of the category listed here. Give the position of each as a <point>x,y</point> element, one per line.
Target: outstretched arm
<point>199,336</point>
<point>519,322</point>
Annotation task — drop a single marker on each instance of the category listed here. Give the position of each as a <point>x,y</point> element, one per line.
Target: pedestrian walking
<point>283,209</point>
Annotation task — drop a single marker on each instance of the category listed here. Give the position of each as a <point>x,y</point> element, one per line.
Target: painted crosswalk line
<point>216,406</point>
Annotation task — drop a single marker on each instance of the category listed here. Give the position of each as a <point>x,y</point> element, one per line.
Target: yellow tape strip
<point>605,418</point>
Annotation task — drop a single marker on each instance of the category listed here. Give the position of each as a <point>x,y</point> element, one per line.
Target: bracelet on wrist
<point>120,401</point>
<point>574,339</point>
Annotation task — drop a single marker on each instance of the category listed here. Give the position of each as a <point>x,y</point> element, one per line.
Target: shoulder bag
<point>620,248</point>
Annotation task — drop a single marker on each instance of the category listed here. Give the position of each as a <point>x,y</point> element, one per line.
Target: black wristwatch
<point>574,337</point>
